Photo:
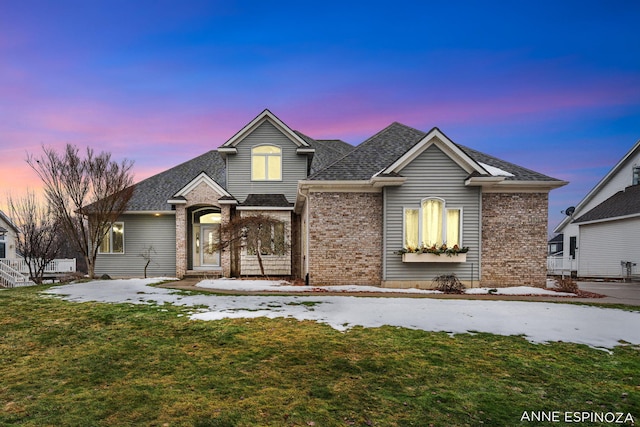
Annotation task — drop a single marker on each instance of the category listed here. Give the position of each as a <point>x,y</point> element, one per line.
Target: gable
<point>434,164</point>
<point>293,165</point>
<point>436,138</point>
<point>269,118</point>
<point>201,184</point>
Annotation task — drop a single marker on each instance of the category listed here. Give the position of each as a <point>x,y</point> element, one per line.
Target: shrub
<point>567,285</point>
<point>449,284</point>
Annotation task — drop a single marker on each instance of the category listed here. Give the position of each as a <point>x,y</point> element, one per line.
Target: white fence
<point>56,266</point>
<point>558,265</point>
<point>15,272</point>
<point>10,277</point>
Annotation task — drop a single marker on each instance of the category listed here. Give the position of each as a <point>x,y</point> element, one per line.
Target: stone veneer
<point>202,195</point>
<point>345,238</point>
<point>514,239</point>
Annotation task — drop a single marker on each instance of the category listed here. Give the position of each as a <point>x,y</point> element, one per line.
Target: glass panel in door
<point>209,238</point>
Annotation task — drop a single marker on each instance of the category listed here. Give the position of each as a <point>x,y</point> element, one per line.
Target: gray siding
<point>141,231</point>
<point>432,174</point>
<point>294,166</point>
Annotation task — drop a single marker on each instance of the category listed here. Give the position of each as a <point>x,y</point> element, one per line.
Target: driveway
<point>616,293</point>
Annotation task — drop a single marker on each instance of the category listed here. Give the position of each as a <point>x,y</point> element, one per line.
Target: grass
<point>89,364</point>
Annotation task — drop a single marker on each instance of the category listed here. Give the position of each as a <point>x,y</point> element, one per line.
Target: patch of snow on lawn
<point>536,321</point>
<point>284,286</point>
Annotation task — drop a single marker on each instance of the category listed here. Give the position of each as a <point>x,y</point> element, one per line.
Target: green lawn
<point>89,364</point>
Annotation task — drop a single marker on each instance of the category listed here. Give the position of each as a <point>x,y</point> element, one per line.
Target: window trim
<point>109,235</point>
<point>445,209</point>
<point>266,162</point>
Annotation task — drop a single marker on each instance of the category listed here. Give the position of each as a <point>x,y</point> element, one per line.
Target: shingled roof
<point>623,203</point>
<point>391,143</point>
<point>332,160</point>
<point>327,151</point>
<point>152,193</point>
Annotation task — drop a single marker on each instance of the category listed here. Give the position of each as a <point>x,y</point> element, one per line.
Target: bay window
<point>433,223</point>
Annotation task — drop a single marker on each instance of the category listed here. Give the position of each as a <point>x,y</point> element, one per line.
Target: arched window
<point>433,223</point>
<point>432,229</point>
<point>266,163</point>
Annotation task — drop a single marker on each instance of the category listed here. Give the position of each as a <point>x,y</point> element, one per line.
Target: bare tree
<point>260,233</point>
<point>87,194</point>
<point>147,254</point>
<point>38,241</point>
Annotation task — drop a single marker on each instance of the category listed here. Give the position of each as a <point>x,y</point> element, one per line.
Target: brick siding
<point>345,238</point>
<point>514,239</point>
<point>202,195</point>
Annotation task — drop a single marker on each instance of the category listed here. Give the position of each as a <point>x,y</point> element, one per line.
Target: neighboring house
<point>344,212</point>
<point>610,237</point>
<point>555,246</point>
<point>625,173</point>
<point>8,238</point>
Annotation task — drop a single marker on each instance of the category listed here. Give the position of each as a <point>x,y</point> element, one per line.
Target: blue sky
<point>552,86</point>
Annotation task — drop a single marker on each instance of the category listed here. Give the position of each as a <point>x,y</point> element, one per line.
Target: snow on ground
<point>283,286</point>
<point>537,321</point>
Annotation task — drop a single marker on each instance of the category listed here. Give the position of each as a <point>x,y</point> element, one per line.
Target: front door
<point>209,239</point>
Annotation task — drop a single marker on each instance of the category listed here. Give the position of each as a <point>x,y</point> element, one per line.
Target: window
<point>3,247</point>
<point>113,241</point>
<point>270,238</point>
<point>636,175</point>
<point>266,163</point>
<point>573,245</point>
<point>432,224</point>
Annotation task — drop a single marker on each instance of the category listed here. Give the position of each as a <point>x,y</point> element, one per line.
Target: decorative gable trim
<point>439,139</point>
<point>179,197</point>
<point>229,146</point>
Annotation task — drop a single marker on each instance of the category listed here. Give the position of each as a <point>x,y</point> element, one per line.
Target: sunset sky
<point>551,85</point>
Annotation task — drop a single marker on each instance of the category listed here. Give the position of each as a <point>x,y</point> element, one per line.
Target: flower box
<point>427,257</point>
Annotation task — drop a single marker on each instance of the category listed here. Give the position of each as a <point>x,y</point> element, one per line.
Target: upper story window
<point>113,241</point>
<point>432,224</point>
<point>266,163</point>
<point>636,175</point>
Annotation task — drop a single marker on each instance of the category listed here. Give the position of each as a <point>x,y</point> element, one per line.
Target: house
<point>555,246</point>
<point>624,174</point>
<point>609,236</point>
<point>8,237</point>
<point>344,213</point>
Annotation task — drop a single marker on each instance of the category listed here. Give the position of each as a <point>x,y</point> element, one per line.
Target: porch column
<point>226,254</point>
<point>181,241</point>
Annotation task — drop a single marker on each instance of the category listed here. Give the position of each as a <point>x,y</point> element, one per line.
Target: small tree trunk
<point>90,267</point>
<point>258,253</point>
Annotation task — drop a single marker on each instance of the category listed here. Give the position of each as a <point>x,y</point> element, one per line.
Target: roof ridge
<point>359,147</point>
